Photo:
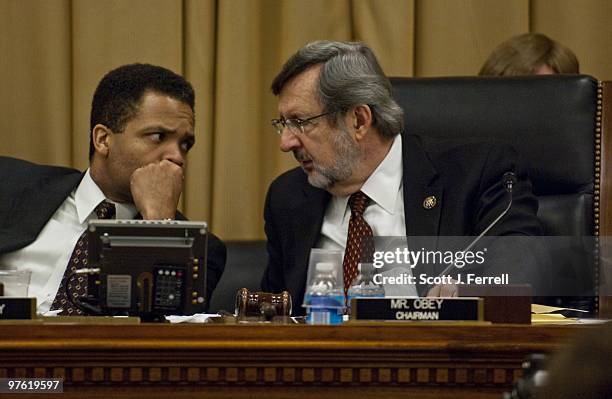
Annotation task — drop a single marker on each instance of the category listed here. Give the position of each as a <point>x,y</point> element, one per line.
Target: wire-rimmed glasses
<point>295,125</point>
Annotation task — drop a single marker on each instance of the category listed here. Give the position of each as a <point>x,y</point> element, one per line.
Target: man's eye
<point>186,145</point>
<point>157,136</point>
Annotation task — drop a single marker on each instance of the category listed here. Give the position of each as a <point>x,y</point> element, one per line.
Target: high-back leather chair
<point>557,123</point>
<point>244,268</point>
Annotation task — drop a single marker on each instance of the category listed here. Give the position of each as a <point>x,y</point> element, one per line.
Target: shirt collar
<point>384,184</point>
<point>88,195</point>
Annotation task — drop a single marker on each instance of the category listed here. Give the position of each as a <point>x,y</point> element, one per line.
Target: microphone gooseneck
<point>508,181</point>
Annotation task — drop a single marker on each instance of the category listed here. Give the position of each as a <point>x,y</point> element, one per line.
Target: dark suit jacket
<point>30,194</point>
<point>464,176</point>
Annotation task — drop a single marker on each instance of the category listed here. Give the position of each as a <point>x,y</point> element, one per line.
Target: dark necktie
<point>76,285</point>
<point>359,243</point>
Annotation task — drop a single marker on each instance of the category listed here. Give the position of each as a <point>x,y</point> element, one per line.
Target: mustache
<point>301,156</point>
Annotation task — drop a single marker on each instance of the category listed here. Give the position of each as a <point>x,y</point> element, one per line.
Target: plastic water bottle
<point>363,286</point>
<point>324,299</point>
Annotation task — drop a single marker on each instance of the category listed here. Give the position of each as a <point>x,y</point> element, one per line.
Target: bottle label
<point>324,316</point>
<point>332,301</point>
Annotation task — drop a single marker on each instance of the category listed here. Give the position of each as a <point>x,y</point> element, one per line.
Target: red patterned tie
<point>359,243</point>
<point>71,283</point>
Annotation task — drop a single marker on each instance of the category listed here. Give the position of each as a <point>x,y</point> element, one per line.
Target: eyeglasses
<point>295,125</point>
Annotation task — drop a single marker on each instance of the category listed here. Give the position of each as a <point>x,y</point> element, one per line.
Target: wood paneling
<point>373,360</point>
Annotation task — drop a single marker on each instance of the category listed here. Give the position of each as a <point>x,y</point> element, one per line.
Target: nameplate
<point>17,308</point>
<point>417,309</point>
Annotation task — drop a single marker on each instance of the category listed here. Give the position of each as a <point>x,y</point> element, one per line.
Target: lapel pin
<point>429,202</point>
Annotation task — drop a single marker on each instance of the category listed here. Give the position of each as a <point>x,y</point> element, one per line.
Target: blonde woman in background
<point>530,54</point>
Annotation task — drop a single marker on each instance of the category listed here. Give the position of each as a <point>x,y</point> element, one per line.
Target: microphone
<point>508,181</point>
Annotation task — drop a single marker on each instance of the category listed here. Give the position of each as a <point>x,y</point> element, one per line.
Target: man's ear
<point>362,120</point>
<point>101,139</point>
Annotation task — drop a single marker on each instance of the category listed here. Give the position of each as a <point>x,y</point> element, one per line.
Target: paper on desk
<point>50,313</point>
<point>195,318</point>
<point>542,314</point>
<point>554,318</point>
<point>544,309</point>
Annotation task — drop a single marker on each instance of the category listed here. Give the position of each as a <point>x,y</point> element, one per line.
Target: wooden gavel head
<point>262,304</point>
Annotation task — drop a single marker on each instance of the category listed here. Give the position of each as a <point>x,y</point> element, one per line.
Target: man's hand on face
<point>156,189</point>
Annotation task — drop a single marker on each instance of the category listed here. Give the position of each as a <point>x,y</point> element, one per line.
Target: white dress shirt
<point>385,214</point>
<point>47,257</point>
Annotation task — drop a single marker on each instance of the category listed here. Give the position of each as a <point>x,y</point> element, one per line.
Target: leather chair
<point>556,123</point>
<point>245,265</point>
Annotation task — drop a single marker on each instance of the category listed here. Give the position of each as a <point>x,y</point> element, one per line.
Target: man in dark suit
<point>142,127</point>
<point>338,117</point>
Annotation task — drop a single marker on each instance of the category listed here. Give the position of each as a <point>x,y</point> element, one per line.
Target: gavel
<point>262,304</point>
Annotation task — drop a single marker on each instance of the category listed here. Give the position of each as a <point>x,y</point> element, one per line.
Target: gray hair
<point>350,76</point>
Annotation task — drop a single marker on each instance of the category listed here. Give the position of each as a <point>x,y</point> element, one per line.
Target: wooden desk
<point>188,361</point>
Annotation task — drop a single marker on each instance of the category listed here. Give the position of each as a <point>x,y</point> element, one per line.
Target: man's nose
<point>289,141</point>
<point>175,154</point>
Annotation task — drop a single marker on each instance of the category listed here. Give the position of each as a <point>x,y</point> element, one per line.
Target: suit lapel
<point>420,182</point>
<point>307,228</point>
<point>34,207</point>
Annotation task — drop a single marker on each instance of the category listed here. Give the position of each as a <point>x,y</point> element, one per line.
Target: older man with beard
<point>361,175</point>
